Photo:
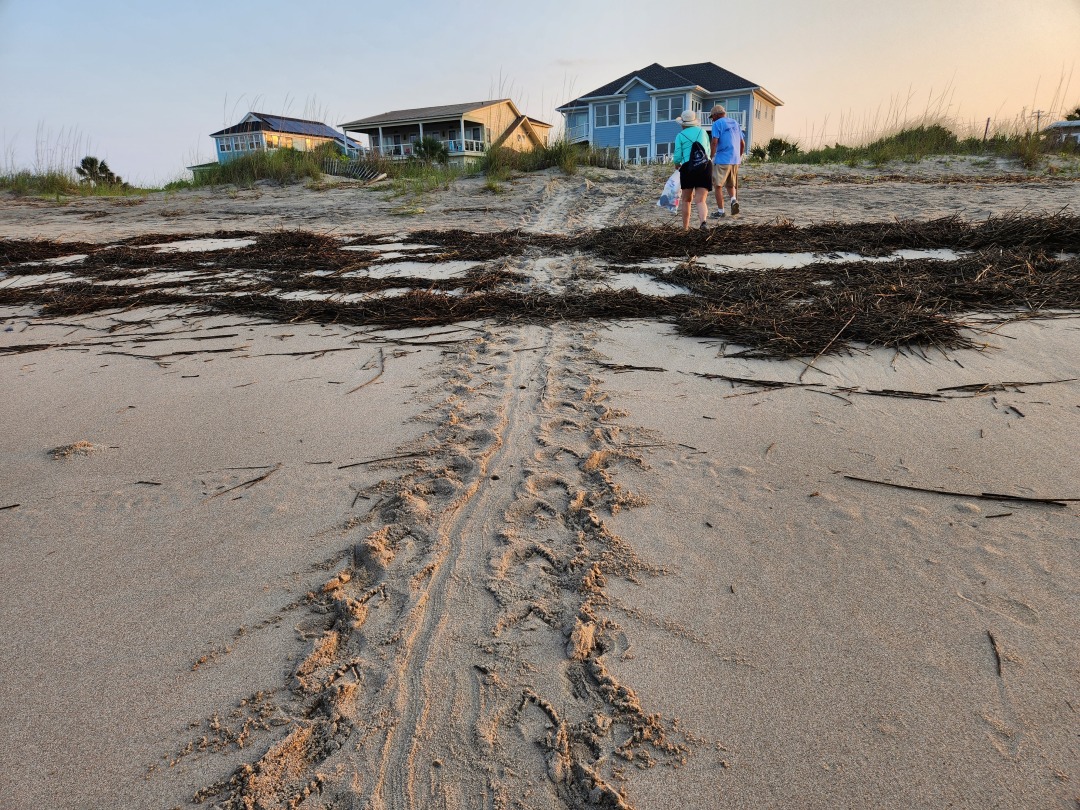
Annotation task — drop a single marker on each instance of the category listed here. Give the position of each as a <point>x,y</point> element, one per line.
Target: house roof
<point>710,77</point>
<point>422,114</point>
<point>259,122</point>
<point>1063,125</point>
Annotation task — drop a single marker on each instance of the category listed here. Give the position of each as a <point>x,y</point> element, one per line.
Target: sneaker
<point>734,206</point>
<point>704,226</point>
<point>720,214</point>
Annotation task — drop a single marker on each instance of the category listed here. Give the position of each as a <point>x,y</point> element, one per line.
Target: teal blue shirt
<point>685,139</point>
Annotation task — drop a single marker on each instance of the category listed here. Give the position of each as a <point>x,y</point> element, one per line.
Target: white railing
<point>578,133</point>
<point>405,150</point>
<point>465,146</point>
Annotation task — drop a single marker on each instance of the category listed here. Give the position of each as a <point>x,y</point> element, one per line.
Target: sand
<point>491,566</point>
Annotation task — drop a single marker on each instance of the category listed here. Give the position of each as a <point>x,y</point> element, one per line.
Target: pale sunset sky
<point>142,84</point>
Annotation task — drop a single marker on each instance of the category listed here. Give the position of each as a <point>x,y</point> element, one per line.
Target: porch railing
<point>578,133</point>
<point>455,147</point>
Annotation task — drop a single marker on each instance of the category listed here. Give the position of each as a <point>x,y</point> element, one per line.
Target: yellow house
<point>468,130</point>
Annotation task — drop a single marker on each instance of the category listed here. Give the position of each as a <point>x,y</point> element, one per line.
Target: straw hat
<point>688,118</point>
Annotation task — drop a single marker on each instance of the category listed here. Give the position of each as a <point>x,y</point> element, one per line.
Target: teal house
<point>259,132</point>
<point>636,113</point>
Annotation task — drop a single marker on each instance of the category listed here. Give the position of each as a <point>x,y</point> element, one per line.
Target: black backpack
<point>698,159</point>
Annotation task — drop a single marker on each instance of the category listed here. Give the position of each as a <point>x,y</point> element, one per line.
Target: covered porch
<point>396,140</point>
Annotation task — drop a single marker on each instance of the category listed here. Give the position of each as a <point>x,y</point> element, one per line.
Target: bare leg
<point>701,201</point>
<point>687,195</point>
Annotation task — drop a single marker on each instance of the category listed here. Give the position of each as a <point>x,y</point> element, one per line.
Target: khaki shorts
<point>725,175</point>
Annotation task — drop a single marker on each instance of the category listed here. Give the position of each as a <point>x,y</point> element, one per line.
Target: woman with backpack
<point>695,168</point>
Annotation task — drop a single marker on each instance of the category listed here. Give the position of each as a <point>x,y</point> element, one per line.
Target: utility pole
<point>1038,119</point>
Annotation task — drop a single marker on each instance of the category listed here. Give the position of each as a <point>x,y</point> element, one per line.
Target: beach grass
<point>915,143</point>
<point>277,165</point>
<point>499,162</point>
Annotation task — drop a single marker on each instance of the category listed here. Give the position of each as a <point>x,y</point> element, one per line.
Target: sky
<point>143,84</point>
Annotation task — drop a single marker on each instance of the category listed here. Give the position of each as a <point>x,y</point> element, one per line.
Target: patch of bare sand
<point>840,643</point>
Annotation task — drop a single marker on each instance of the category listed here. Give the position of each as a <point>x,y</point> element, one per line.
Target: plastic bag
<point>672,192</point>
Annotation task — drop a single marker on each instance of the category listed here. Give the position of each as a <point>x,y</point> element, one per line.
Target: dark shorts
<point>699,178</point>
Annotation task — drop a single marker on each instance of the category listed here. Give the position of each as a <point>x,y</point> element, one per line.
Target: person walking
<point>692,159</point>
<point>728,147</point>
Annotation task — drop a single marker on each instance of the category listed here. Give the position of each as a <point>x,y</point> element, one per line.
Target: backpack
<point>699,158</point>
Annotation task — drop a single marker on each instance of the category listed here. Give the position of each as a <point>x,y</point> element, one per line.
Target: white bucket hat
<point>688,118</point>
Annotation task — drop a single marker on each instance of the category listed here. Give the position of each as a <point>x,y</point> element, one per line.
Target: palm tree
<point>96,172</point>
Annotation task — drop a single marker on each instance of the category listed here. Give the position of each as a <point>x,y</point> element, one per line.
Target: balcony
<point>407,150</point>
<point>578,133</point>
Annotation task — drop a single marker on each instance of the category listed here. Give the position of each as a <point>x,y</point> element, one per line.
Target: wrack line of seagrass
<point>1012,271</point>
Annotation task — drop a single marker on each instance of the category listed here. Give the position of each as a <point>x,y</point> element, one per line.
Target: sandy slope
<point>545,582</point>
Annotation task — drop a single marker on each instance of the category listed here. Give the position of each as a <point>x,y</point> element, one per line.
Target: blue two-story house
<point>636,113</point>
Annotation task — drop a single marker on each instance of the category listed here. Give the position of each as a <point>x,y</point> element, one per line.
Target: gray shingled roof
<point>280,123</point>
<point>713,78</point>
<point>421,113</point>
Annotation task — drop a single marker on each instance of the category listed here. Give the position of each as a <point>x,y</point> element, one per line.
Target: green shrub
<point>430,149</point>
<point>280,165</point>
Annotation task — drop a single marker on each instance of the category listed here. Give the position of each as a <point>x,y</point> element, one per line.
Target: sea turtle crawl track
<point>424,683</point>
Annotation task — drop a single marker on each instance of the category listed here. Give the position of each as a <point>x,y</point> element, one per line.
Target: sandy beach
<point>260,562</point>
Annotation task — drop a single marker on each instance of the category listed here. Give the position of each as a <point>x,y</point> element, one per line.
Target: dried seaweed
<point>822,308</point>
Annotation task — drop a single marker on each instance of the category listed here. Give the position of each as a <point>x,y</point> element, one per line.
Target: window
<point>669,108</point>
<point>607,115</point>
<point>664,151</point>
<point>637,154</point>
<point>695,105</point>
<point>757,113</point>
<point>223,145</point>
<point>638,112</point>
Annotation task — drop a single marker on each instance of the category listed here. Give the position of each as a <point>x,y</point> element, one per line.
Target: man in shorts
<point>728,147</point>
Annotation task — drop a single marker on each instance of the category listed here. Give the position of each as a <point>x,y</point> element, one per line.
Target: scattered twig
<point>382,368</point>
<point>9,506</point>
<point>620,368</point>
<point>827,345</point>
<point>982,388</point>
<point>374,460</point>
<point>248,484</point>
<point>997,651</point>
<point>985,496</point>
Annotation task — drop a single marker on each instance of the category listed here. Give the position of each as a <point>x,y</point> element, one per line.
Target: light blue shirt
<point>728,136</point>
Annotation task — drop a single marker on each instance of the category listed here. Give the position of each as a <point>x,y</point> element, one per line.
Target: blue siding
<point>603,137</point>
<point>638,134</point>
<point>606,137</point>
<point>666,131</point>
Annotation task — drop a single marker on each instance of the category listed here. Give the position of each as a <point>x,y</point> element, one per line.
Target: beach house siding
<point>756,115</point>
<point>764,122</point>
<point>605,134</point>
<point>606,124</point>
<point>638,135</point>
